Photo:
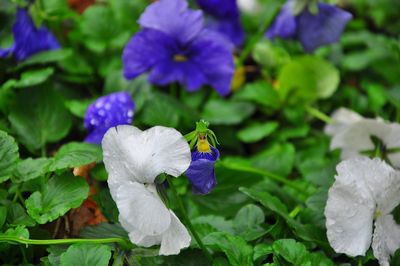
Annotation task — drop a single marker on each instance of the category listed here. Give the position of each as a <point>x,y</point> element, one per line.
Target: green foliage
<point>275,166</point>
<point>59,194</point>
<point>39,116</point>
<point>86,254</point>
<point>8,154</point>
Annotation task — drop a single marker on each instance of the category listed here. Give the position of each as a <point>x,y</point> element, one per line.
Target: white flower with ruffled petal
<point>352,134</point>
<point>363,195</point>
<point>133,159</point>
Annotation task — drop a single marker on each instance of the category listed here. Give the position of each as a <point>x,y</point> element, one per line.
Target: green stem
<point>270,175</point>
<point>295,211</point>
<point>260,34</point>
<point>26,241</point>
<point>318,114</point>
<point>187,220</point>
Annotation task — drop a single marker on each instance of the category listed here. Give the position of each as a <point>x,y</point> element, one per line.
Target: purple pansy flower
<point>201,171</point>
<point>106,112</point>
<point>174,46</point>
<point>224,17</point>
<point>311,30</point>
<point>29,40</point>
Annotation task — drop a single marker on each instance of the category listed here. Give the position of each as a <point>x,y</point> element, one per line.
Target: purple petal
<point>220,8</point>
<point>228,27</point>
<point>285,25</point>
<point>214,59</point>
<point>201,171</point>
<point>29,40</point>
<point>174,18</point>
<point>7,51</point>
<point>144,50</point>
<point>106,112</point>
<point>324,28</point>
<point>224,17</point>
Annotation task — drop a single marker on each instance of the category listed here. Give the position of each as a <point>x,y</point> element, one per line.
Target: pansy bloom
<point>106,112</point>
<point>359,206</point>
<point>29,40</point>
<point>201,172</point>
<point>174,46</point>
<point>224,17</point>
<point>356,136</point>
<point>312,30</point>
<point>133,159</point>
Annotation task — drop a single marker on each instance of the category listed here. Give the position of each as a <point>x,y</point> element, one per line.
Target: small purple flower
<point>106,112</point>
<point>224,17</point>
<point>311,30</point>
<point>28,40</point>
<point>174,46</point>
<point>201,172</point>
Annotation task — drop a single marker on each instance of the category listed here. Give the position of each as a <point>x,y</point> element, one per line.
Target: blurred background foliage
<point>275,165</point>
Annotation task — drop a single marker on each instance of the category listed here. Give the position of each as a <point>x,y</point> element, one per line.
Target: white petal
<point>374,177</point>
<point>357,136</point>
<point>249,6</point>
<point>115,151</point>
<point>141,208</point>
<point>342,118</point>
<point>386,239</point>
<point>349,217</point>
<point>137,237</point>
<point>392,141</point>
<point>175,238</point>
<point>131,154</point>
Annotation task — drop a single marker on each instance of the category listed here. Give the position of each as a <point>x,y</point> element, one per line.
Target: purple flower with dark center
<point>29,40</point>
<point>174,46</point>
<point>312,30</point>
<point>201,171</point>
<point>224,17</point>
<point>106,112</point>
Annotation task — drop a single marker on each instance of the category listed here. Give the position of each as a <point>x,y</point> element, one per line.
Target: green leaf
<point>19,231</point>
<point>104,230</point>
<point>260,92</point>
<point>76,154</point>
<point>224,112</point>
<point>161,110</point>
<point>78,107</point>
<point>239,253</point>
<point>262,250</point>
<point>55,253</point>
<point>3,215</point>
<point>39,116</point>
<point>46,57</point>
<point>290,250</point>
<point>59,195</point>
<point>269,55</point>
<point>29,169</point>
<point>257,131</point>
<point>34,77</point>
<point>306,79</point>
<point>86,255</point>
<point>248,222</point>
<point>8,156</point>
<point>17,215</point>
<point>278,158</point>
<point>297,254</point>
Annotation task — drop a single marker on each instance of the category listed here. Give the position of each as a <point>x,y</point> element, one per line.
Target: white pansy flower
<point>352,134</point>
<point>249,6</point>
<point>358,210</point>
<point>341,119</point>
<point>133,159</point>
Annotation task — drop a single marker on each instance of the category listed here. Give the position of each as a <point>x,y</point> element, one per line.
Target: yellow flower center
<point>180,58</point>
<point>203,145</point>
